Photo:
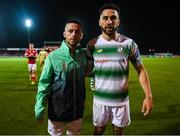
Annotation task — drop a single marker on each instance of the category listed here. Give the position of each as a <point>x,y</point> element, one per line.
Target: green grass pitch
<point>17,99</point>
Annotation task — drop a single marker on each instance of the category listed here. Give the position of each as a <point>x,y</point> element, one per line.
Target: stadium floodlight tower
<point>28,24</point>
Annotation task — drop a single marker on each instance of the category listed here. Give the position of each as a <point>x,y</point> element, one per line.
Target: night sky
<point>152,24</point>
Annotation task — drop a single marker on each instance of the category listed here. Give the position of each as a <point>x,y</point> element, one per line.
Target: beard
<point>73,42</point>
<point>109,30</point>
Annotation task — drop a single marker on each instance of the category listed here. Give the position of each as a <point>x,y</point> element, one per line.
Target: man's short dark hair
<point>109,6</point>
<point>76,21</point>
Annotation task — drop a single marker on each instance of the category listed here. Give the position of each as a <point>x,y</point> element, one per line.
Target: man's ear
<point>99,23</point>
<point>81,35</point>
<point>64,34</point>
<point>119,21</point>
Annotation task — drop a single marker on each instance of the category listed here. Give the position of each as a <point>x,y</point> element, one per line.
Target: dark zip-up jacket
<point>62,84</point>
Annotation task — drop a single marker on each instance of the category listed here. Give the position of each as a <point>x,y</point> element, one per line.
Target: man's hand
<point>147,106</point>
<point>31,56</point>
<point>40,120</point>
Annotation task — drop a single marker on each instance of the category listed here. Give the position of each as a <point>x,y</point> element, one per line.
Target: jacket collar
<point>64,46</point>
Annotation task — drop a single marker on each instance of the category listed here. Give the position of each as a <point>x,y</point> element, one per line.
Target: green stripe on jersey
<point>111,50</point>
<point>111,95</point>
<point>111,73</point>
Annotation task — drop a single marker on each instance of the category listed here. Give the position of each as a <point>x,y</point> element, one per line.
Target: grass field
<point>17,98</point>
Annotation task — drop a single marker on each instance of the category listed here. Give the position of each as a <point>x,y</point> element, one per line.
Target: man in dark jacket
<point>62,84</point>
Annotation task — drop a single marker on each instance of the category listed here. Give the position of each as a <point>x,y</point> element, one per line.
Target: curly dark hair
<point>109,6</point>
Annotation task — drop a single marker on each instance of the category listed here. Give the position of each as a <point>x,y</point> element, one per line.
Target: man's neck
<point>109,37</point>
<point>72,48</point>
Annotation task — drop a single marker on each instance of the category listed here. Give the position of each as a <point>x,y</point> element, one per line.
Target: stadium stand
<point>12,52</point>
<point>19,52</point>
<point>163,55</point>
